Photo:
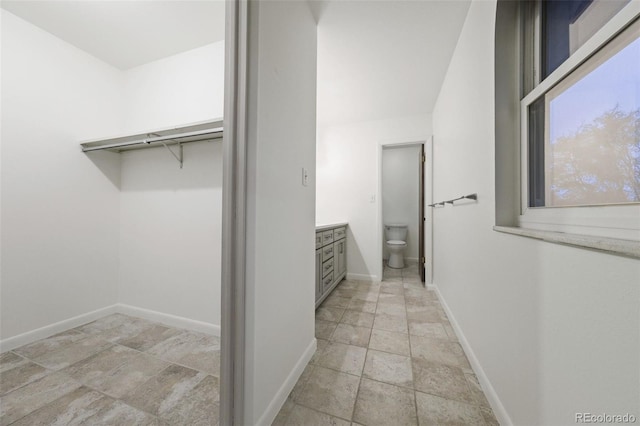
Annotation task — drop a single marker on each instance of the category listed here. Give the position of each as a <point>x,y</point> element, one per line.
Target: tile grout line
<point>368,349</point>
<point>467,384</point>
<point>355,402</point>
<point>368,378</point>
<point>68,393</point>
<point>415,396</point>
<point>366,356</point>
<point>171,363</point>
<point>132,391</point>
<point>120,345</point>
<point>49,371</point>
<point>77,331</point>
<point>338,371</point>
<point>319,411</point>
<point>112,345</point>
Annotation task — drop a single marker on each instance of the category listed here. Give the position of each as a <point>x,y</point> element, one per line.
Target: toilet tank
<point>395,231</point>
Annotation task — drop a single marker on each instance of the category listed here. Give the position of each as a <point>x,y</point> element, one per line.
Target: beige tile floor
<point>118,370</point>
<point>387,356</point>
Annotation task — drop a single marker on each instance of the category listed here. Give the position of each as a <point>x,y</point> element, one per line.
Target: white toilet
<point>396,236</point>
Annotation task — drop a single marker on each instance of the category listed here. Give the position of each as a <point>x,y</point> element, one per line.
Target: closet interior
<point>111,211</point>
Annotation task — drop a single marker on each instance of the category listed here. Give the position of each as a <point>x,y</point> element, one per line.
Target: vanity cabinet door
<point>319,284</point>
<point>340,256</point>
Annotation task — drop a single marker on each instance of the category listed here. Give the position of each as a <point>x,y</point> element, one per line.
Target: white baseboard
<point>496,405</point>
<point>281,396</point>
<point>55,328</point>
<point>362,277</point>
<point>58,327</point>
<point>168,319</point>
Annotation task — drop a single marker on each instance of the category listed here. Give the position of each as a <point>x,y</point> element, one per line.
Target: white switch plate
<point>305,177</point>
<point>373,198</point>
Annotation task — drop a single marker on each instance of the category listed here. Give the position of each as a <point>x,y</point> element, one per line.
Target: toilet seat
<point>396,247</point>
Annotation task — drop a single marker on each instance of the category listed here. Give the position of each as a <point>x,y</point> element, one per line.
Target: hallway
<point>387,354</point>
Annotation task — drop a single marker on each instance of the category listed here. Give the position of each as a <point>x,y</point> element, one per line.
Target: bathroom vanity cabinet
<point>331,258</point>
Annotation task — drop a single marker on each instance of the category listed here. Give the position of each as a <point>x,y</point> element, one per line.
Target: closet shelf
<point>206,130</point>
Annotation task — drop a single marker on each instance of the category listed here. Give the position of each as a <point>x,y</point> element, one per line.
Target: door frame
<point>428,211</point>
<point>421,214</point>
<point>428,196</point>
<point>234,199</point>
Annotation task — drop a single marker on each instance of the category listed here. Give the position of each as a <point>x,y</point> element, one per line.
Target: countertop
<point>323,227</point>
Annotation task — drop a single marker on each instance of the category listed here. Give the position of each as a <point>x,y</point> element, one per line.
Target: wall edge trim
<point>362,277</point>
<point>118,308</point>
<point>55,328</point>
<point>281,396</point>
<point>492,396</point>
<point>169,319</point>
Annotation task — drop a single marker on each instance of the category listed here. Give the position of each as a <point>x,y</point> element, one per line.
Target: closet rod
<point>154,139</point>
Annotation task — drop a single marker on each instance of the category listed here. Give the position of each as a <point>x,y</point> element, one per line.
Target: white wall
<point>400,194</point>
<point>180,89</point>
<point>280,211</point>
<point>348,182</point>
<point>170,250</point>
<point>59,210</point>
<point>555,329</point>
<point>72,242</point>
<point>170,226</point>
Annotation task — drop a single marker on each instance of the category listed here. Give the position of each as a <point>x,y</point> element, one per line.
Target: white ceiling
<point>376,58</point>
<point>126,34</point>
<point>383,59</point>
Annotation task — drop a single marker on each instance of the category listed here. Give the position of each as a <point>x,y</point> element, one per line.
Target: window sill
<point>627,248</point>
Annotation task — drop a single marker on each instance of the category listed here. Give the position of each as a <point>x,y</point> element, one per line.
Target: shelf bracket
<point>176,156</point>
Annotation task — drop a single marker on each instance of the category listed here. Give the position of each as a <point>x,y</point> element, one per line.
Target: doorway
<point>404,189</point>
<point>138,260</point>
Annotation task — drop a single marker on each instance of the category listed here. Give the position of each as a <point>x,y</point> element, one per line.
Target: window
<point>580,117</point>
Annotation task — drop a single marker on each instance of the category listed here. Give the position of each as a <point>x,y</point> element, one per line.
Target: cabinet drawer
<point>327,267</point>
<point>339,233</point>
<point>318,240</point>
<point>326,281</point>
<point>327,237</point>
<point>327,253</point>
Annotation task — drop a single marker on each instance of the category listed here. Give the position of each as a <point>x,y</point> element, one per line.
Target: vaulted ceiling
<point>376,58</point>
<point>126,34</point>
<point>382,59</point>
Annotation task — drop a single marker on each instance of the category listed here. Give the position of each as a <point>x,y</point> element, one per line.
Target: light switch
<point>305,177</point>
